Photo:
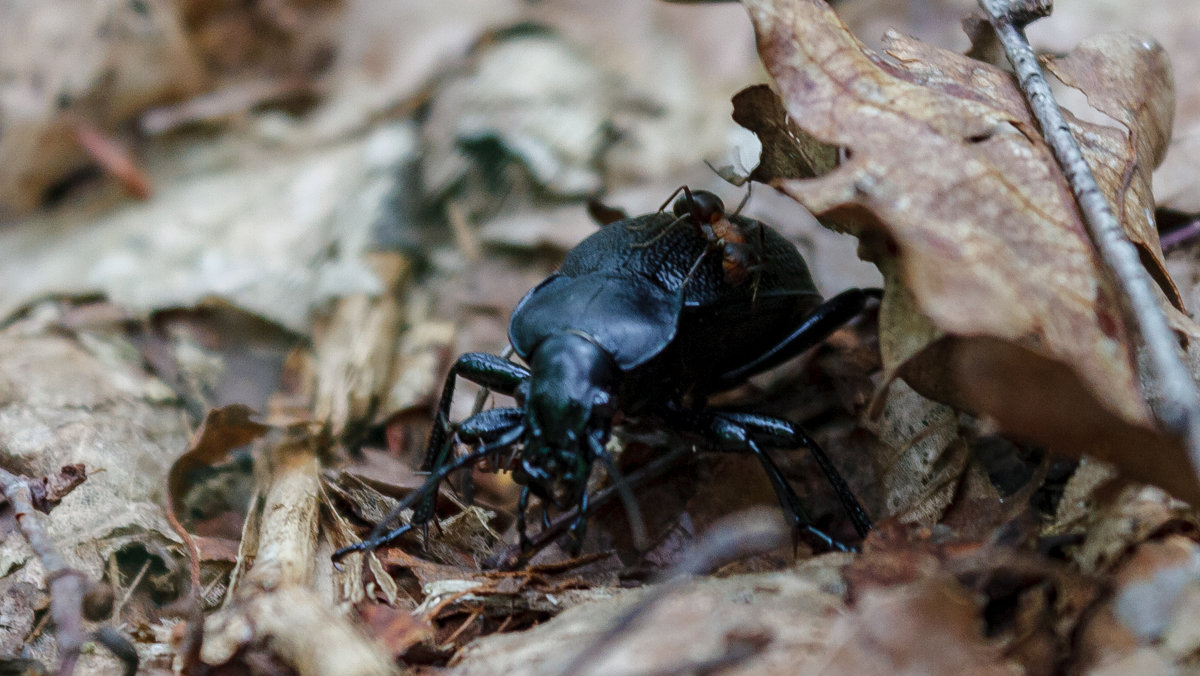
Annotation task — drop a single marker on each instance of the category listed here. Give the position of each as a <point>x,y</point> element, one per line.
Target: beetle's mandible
<point>646,317</point>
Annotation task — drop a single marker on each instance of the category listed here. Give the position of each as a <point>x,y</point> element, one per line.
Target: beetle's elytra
<point>646,317</point>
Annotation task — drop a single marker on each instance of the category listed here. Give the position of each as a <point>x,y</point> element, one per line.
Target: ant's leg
<point>827,318</point>
<point>742,205</point>
<point>683,189</point>
<point>653,240</point>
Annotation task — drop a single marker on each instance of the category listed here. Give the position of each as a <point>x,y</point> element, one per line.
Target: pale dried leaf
<point>930,626</point>
<point>924,454</point>
<point>279,239</point>
<point>64,63</point>
<point>354,354</point>
<point>51,390</point>
<point>772,623</point>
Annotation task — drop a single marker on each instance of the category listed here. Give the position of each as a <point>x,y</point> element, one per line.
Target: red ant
<point>739,258</point>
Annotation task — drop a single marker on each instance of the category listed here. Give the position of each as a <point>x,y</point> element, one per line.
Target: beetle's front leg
<point>579,526</point>
<point>488,370</point>
<point>378,537</point>
<point>522,507</point>
<point>493,429</point>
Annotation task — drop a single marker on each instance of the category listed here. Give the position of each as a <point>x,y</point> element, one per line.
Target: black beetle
<point>642,318</point>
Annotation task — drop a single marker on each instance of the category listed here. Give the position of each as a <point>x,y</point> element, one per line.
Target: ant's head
<point>700,204</point>
<point>568,412</point>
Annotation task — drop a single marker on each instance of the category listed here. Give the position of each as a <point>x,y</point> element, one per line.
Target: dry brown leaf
<point>1072,22</point>
<point>787,150</point>
<point>1132,516</point>
<point>1148,624</point>
<point>223,430</point>
<point>398,630</point>
<point>951,188</point>
<point>773,623</point>
<point>51,389</point>
<point>50,490</point>
<point>1031,605</point>
<point>931,626</point>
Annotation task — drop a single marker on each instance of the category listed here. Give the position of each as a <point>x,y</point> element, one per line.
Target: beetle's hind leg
<point>801,520</point>
<point>781,433</point>
<point>752,431</point>
<point>824,320</point>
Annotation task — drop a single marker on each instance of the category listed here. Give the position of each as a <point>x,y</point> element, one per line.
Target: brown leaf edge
<point>223,430</point>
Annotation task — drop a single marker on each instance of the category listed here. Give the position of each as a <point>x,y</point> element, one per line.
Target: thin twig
<point>66,584</point>
<point>1179,410</point>
<point>1180,236</point>
<point>137,579</point>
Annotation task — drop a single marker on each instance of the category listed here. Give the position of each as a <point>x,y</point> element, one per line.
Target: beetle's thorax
<point>568,414</point>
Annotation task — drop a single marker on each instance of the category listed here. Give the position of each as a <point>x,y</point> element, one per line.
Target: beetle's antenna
<point>632,511</point>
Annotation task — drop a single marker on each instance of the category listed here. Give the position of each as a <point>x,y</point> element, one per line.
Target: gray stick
<point>1179,411</point>
<point>66,584</point>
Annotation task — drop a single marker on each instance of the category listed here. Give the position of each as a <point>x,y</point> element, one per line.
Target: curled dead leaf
<point>948,184</point>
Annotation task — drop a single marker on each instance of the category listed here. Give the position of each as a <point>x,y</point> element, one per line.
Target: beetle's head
<point>568,413</point>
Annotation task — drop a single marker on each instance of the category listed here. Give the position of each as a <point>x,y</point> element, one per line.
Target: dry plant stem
<point>66,584</point>
<point>193,639</point>
<point>1179,412</point>
<point>275,602</point>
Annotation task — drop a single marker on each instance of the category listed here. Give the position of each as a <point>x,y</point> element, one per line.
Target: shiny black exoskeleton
<point>643,317</point>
